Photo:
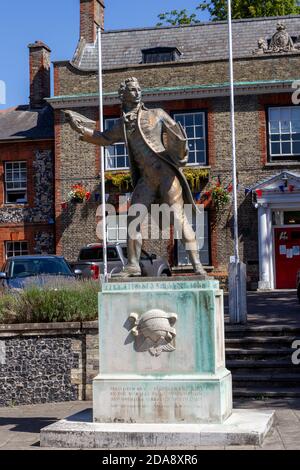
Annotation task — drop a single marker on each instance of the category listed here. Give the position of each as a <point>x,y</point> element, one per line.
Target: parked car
<point>90,261</point>
<point>19,271</point>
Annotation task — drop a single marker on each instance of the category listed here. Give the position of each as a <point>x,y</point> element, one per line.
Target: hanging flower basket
<point>217,196</point>
<point>77,200</point>
<point>206,199</point>
<point>220,196</point>
<point>120,179</point>
<point>78,194</point>
<point>195,176</point>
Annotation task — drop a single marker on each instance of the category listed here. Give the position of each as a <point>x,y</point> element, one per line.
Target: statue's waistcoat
<point>149,125</point>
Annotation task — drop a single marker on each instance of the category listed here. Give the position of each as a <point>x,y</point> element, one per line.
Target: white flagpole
<point>235,316</point>
<point>105,275</point>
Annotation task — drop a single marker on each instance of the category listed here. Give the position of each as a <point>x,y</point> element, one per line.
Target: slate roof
<point>201,42</point>
<point>21,123</point>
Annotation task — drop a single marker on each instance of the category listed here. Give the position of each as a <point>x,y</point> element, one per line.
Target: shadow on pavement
<point>83,416</point>
<point>29,425</point>
<point>271,308</point>
<point>267,403</point>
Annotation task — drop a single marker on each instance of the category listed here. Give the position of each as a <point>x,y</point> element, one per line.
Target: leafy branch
<point>217,10</point>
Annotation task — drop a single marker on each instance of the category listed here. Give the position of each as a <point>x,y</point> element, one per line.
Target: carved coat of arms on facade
<point>153,331</point>
<point>281,41</point>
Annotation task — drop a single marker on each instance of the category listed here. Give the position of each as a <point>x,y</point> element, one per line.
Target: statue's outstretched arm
<point>106,138</point>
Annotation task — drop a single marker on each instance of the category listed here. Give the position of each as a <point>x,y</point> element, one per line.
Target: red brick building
<point>27,166</point>
<point>185,71</point>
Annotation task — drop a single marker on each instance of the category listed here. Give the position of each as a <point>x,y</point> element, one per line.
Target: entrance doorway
<point>278,202</point>
<point>287,256</point>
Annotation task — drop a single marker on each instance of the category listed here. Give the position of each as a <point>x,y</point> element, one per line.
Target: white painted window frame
<point>287,129</point>
<point>113,148</point>
<point>195,138</point>
<point>117,224</point>
<point>16,252</point>
<point>15,169</point>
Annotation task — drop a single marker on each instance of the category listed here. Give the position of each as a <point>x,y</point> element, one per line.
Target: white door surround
<point>280,192</point>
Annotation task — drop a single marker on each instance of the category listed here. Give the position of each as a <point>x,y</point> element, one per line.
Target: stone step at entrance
<point>266,331</point>
<point>249,342</point>
<point>260,393</point>
<point>276,380</point>
<point>259,353</point>
<point>260,360</point>
<point>261,368</point>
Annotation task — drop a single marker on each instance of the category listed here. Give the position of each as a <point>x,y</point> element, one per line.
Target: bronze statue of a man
<point>157,149</point>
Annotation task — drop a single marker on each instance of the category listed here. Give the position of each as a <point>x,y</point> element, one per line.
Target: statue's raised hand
<point>75,122</point>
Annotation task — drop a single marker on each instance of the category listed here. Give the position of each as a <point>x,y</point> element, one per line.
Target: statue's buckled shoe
<point>130,271</point>
<point>200,271</point>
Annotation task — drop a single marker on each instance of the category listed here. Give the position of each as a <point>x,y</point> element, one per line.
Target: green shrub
<point>52,303</point>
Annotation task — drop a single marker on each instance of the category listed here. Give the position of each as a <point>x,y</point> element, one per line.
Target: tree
<point>177,17</point>
<point>249,8</point>
<point>240,9</point>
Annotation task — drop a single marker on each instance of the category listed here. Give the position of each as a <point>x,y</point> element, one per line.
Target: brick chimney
<point>91,16</point>
<point>39,68</point>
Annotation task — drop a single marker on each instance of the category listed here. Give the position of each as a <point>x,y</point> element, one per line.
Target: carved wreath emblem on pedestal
<point>154,331</point>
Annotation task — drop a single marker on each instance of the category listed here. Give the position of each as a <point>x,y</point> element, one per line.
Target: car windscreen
<point>88,254</point>
<point>96,254</point>
<point>39,266</point>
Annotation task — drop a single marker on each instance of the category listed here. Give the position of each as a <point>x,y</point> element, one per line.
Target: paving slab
<point>273,441</point>
<point>287,417</point>
<point>297,414</point>
<point>240,447</point>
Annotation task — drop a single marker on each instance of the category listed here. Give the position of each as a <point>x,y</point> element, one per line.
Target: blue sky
<point>56,22</point>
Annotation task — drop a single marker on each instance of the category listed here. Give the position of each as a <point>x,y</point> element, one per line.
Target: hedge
<point>55,302</point>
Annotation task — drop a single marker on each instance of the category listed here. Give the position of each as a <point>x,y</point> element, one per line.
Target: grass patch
<point>77,301</point>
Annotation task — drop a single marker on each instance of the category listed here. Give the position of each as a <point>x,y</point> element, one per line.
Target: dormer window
<point>160,54</point>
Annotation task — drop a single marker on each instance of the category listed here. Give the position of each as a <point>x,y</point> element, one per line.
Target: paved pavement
<point>271,308</point>
<point>20,425</point>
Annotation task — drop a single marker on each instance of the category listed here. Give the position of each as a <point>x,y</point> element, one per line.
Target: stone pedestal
<point>163,380</point>
<point>180,378</point>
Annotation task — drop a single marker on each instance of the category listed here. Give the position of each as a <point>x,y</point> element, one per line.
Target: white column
<point>264,248</point>
<point>270,247</point>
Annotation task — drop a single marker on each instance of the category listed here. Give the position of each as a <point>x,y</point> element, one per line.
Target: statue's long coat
<point>150,124</point>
